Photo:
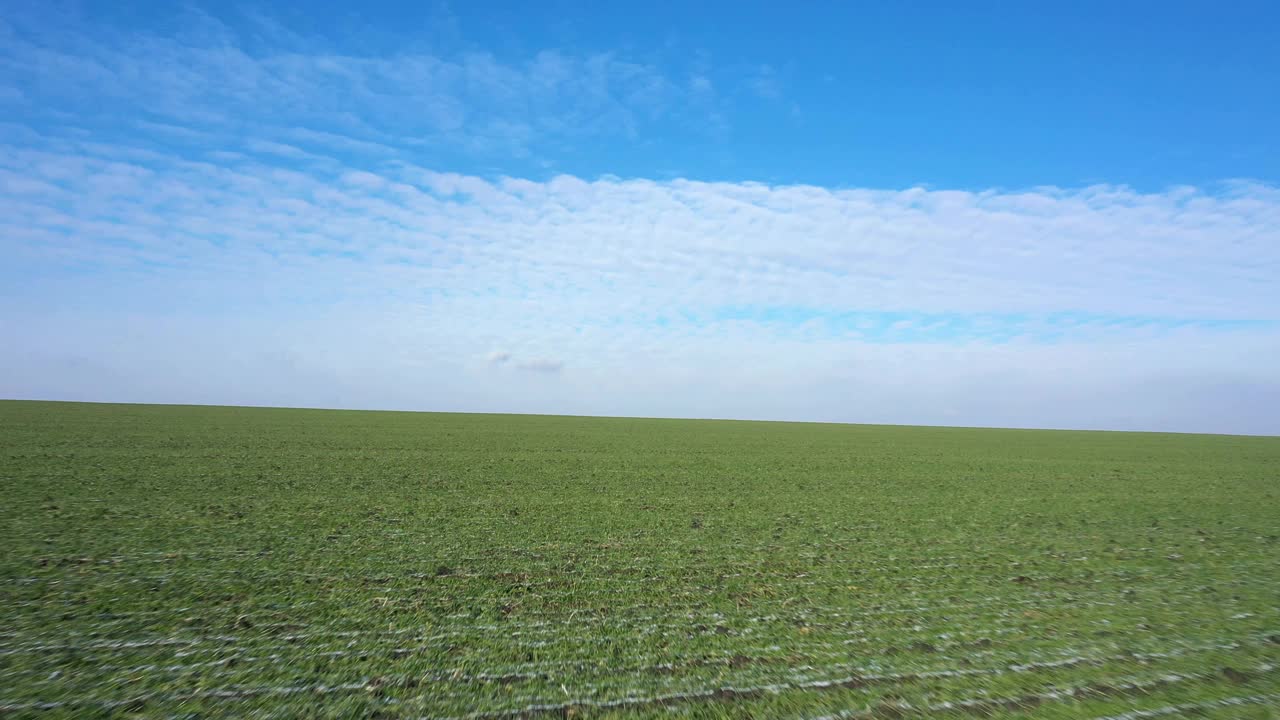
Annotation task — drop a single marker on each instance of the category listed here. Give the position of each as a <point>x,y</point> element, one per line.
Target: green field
<point>209,561</point>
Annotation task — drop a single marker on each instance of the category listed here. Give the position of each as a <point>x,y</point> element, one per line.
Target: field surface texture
<point>197,562</point>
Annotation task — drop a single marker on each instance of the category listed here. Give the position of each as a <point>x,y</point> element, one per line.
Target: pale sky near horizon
<point>1025,217</point>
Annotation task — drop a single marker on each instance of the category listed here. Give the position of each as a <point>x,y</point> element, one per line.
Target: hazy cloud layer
<point>542,365</point>
<point>136,274</point>
<point>259,234</point>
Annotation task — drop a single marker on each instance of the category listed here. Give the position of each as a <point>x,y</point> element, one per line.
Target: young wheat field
<point>166,561</point>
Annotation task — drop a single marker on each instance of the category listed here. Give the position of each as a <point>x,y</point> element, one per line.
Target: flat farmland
<point>173,561</point>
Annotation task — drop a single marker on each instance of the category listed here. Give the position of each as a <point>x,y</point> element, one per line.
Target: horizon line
<point>634,417</point>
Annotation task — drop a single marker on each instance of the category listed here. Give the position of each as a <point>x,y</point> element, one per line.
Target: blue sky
<point>977,214</point>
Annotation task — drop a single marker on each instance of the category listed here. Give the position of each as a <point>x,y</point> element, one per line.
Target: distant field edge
<point>761,421</point>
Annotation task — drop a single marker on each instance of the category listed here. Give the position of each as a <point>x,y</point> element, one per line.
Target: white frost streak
<point>1196,706</point>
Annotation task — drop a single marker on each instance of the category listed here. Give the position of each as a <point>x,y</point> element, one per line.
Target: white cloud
<point>266,238</point>
<point>283,150</point>
<point>308,90</point>
<point>666,298</point>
